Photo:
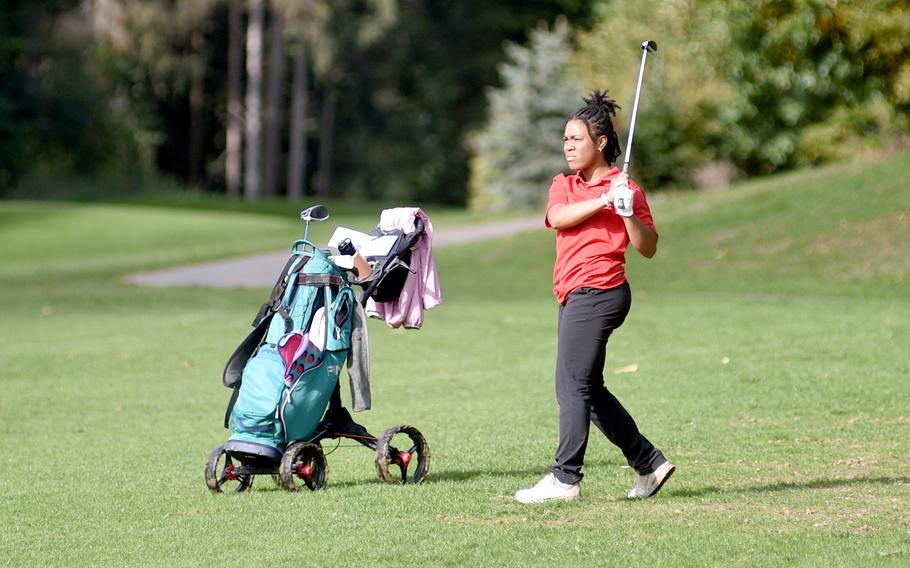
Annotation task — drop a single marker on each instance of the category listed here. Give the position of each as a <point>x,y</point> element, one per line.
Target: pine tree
<point>520,149</point>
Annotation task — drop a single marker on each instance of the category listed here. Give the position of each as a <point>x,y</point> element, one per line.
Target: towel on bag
<point>421,289</point>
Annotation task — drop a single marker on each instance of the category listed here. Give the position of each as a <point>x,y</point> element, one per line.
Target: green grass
<point>770,335</point>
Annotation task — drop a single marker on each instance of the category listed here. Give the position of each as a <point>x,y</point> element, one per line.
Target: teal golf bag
<point>285,371</point>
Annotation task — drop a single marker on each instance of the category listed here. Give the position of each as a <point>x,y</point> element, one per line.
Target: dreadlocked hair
<point>596,114</point>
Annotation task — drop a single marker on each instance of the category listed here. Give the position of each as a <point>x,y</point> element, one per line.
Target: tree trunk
<point>197,108</point>
<point>274,103</point>
<point>297,151</point>
<point>253,153</point>
<point>326,134</point>
<point>234,126</point>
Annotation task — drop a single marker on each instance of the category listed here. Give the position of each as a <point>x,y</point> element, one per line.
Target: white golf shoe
<point>647,485</point>
<point>549,489</point>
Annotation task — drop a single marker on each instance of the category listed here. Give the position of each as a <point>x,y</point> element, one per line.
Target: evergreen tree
<point>520,149</point>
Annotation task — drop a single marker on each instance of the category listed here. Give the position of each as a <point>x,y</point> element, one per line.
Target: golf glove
<point>622,200</point>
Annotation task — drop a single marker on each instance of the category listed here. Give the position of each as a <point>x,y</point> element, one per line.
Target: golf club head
<point>649,45</point>
<point>315,213</point>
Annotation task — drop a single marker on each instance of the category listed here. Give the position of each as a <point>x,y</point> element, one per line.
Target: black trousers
<point>585,324</point>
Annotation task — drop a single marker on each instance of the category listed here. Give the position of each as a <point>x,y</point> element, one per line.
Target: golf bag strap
<point>230,406</point>
<point>319,280</point>
<point>284,313</point>
<point>274,302</point>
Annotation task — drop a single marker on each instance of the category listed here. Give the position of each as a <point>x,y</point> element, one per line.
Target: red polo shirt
<point>592,254</point>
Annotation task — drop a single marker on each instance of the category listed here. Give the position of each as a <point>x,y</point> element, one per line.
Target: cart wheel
<point>303,466</point>
<point>405,447</point>
<point>220,476</point>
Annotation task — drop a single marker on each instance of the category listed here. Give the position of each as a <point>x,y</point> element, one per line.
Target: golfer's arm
<point>642,238</point>
<point>568,215</point>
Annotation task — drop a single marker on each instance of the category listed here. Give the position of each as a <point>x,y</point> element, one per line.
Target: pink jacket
<point>421,289</point>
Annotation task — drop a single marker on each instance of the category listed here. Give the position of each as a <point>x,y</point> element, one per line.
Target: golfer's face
<point>578,147</point>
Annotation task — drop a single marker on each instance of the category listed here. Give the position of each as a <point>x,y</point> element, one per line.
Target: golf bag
<point>284,372</point>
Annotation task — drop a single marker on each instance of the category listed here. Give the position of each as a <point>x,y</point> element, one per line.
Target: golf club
<point>314,213</point>
<point>646,46</point>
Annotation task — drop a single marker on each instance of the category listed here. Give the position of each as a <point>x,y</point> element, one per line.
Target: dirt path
<point>260,270</point>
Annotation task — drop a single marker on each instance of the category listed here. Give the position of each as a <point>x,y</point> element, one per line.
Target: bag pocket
<point>340,314</point>
<point>260,394</point>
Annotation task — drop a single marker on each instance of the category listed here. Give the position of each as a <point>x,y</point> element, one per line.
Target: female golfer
<point>596,212</point>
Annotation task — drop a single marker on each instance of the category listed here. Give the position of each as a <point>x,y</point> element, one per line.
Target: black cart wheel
<point>402,455</point>
<point>220,476</point>
<point>303,466</point>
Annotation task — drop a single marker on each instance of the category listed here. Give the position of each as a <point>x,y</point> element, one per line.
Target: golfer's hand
<point>608,196</point>
<point>622,195</point>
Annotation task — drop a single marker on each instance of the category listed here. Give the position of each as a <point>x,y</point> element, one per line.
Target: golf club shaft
<point>641,74</point>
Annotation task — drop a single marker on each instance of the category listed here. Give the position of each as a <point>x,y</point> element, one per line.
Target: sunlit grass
<point>774,376</point>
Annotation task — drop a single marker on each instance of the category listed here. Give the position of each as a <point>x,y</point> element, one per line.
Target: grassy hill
<point>765,354</point>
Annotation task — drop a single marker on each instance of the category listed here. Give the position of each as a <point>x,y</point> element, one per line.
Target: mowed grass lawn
<point>766,354</point>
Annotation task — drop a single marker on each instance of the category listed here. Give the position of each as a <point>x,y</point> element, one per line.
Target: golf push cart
<point>284,376</point>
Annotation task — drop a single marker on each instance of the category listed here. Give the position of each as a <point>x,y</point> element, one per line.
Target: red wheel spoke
<point>229,472</point>
<point>305,472</point>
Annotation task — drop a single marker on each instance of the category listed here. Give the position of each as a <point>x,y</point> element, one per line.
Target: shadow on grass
<point>451,475</point>
<point>788,486</point>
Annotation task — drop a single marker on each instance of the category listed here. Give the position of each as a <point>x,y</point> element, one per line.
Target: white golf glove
<point>622,200</point>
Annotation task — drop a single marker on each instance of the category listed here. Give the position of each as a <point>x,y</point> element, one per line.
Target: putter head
<point>649,45</point>
<point>315,213</point>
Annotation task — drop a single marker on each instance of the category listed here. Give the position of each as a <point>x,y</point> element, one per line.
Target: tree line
<point>436,101</point>
<point>345,98</point>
